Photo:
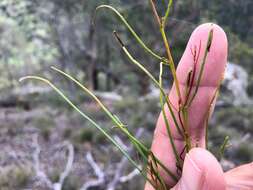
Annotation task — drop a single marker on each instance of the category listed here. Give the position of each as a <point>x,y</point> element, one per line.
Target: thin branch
<point>139,65</point>
<point>207,50</point>
<point>40,174</point>
<point>118,140</point>
<point>83,115</point>
<point>138,145</point>
<point>178,161</point>
<point>66,172</point>
<point>167,45</point>
<point>164,19</point>
<point>98,172</point>
<point>129,176</point>
<point>157,17</point>
<point>120,168</point>
<point>135,35</point>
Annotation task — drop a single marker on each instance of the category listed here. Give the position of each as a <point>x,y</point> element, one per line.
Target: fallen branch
<point>120,168</point>
<point>130,176</point>
<point>98,172</point>
<point>66,172</point>
<point>41,175</point>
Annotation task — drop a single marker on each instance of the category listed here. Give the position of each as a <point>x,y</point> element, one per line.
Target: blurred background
<point>46,145</point>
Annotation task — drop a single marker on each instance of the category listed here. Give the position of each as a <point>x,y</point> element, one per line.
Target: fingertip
<point>217,56</point>
<point>204,29</point>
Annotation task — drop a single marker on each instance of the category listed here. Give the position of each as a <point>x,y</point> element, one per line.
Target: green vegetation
<point>13,177</point>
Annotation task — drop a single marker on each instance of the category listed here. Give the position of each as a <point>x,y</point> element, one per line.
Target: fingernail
<point>192,175</point>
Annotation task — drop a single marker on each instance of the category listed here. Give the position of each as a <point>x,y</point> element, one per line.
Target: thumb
<point>201,171</point>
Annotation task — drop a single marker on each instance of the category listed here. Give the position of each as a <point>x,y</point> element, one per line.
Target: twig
<point>135,35</point>
<point>118,178</point>
<point>98,172</point>
<point>118,140</point>
<point>129,176</point>
<point>66,172</point>
<point>41,175</point>
<point>157,17</point>
<point>161,23</point>
<point>59,92</point>
<point>120,168</point>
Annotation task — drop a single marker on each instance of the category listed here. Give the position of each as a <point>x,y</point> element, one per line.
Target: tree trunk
<point>92,70</point>
<point>107,63</point>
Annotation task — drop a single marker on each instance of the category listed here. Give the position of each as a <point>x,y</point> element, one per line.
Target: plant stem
<point>216,93</point>
<point>161,89</point>
<point>138,145</point>
<point>223,147</point>
<point>85,116</point>
<point>135,35</point>
<point>164,19</point>
<point>179,163</point>
<point>154,170</point>
<point>162,23</point>
<point>171,63</point>
<point>186,129</point>
<point>134,61</point>
<point>207,49</point>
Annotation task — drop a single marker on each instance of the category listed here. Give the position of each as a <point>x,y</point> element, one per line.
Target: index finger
<point>197,111</point>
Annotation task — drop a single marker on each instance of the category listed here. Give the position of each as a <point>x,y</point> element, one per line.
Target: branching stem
<point>162,23</point>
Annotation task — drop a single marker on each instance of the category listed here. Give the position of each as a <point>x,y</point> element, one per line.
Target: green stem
<point>157,84</point>
<point>136,36</point>
<point>171,62</point>
<point>178,160</point>
<point>164,20</point>
<point>223,147</point>
<point>134,61</point>
<point>156,172</point>
<point>216,93</point>
<point>161,23</point>
<point>207,49</point>
<point>85,116</point>
<point>186,129</point>
<point>138,145</point>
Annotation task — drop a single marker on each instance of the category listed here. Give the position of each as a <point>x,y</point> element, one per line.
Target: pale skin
<point>201,170</point>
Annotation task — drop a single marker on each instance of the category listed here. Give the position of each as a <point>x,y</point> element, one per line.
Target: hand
<point>201,170</point>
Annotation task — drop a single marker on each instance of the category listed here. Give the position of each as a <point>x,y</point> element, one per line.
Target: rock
<point>112,96</point>
<point>236,81</point>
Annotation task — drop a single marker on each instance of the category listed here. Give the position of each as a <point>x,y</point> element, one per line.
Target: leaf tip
<point>116,35</point>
